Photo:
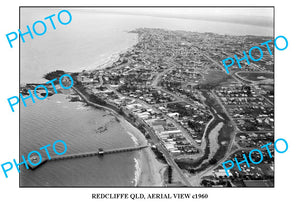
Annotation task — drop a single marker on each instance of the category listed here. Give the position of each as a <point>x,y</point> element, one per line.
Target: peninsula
<point>172,86</point>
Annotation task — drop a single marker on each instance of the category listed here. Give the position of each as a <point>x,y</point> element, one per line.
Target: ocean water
<point>87,42</point>
<point>94,35</point>
<point>83,129</point>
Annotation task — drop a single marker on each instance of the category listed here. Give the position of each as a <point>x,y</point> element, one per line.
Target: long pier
<point>100,152</point>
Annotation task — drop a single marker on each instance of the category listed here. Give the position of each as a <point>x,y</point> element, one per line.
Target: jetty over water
<point>100,152</point>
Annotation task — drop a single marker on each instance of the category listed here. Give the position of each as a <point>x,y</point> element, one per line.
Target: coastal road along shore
<point>161,148</point>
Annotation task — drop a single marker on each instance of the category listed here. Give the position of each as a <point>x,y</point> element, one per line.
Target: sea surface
<point>83,129</point>
<point>91,39</point>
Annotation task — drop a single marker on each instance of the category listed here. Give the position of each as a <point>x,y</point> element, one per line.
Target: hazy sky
<point>251,15</point>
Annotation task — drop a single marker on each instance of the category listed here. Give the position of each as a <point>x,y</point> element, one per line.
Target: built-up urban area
<point>173,87</point>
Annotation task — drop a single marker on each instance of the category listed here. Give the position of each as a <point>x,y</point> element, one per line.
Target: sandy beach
<point>152,172</point>
<point>149,171</point>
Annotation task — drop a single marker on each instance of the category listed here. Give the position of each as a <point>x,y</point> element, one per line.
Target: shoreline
<point>149,165</point>
<point>149,171</point>
<point>111,59</point>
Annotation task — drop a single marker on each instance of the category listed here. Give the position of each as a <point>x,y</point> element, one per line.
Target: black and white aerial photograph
<point>147,97</point>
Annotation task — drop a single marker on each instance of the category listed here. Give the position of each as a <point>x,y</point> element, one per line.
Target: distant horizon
<point>248,16</point>
<point>253,16</point>
<point>107,30</point>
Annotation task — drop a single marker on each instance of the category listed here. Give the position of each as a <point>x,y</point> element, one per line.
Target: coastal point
<point>168,91</point>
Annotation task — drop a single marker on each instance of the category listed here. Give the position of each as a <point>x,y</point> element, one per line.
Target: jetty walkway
<point>100,152</point>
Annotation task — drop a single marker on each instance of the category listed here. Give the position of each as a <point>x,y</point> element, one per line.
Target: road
<point>178,99</point>
<point>167,156</point>
<point>232,141</point>
<point>233,134</point>
<point>165,152</point>
<point>158,142</point>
